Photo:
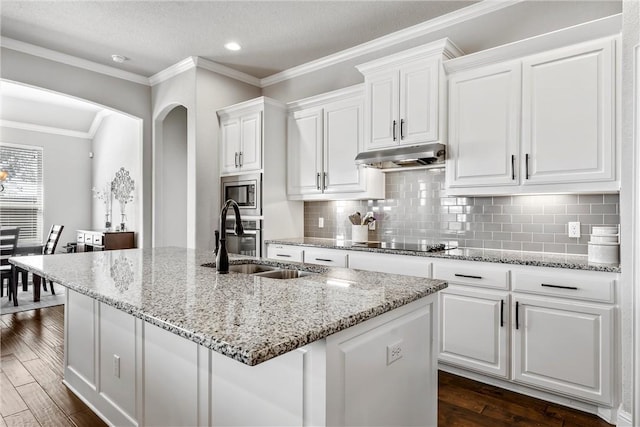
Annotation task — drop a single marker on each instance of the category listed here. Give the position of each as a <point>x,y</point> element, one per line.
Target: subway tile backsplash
<point>417,209</point>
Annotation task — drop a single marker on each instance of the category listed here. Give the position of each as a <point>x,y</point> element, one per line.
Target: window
<point>21,197</point>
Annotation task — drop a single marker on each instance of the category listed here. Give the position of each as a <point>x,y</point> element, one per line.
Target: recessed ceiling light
<point>119,58</point>
<point>232,46</point>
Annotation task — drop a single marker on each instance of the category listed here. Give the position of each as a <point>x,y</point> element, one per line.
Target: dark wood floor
<point>31,350</point>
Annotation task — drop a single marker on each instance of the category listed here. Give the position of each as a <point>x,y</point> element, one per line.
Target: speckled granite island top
<point>538,259</point>
<point>248,318</point>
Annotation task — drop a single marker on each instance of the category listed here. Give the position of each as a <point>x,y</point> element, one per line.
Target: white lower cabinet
<point>564,346</point>
<point>474,329</point>
<point>380,372</point>
<point>285,252</point>
<point>328,257</point>
<point>390,263</point>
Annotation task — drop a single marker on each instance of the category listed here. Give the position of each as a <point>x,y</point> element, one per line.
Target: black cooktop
<point>402,246</point>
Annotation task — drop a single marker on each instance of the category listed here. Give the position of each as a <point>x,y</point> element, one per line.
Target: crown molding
<point>406,34</point>
<point>227,71</point>
<point>335,95</point>
<point>172,71</point>
<point>255,104</point>
<point>44,129</point>
<point>63,58</point>
<point>609,26</point>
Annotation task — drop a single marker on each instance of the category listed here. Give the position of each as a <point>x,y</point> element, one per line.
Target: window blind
<point>21,201</point>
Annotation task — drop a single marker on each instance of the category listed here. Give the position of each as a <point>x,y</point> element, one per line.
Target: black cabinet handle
<point>394,130</point>
<point>324,259</point>
<point>501,313</point>
<point>517,317</point>
<point>526,165</point>
<point>467,276</point>
<point>284,255</point>
<point>559,286</point>
<point>401,128</point>
<point>513,167</point>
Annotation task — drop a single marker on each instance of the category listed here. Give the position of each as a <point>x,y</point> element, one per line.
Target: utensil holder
<point>360,233</point>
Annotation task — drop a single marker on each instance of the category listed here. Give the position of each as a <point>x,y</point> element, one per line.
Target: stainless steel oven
<point>250,243</point>
<point>246,190</point>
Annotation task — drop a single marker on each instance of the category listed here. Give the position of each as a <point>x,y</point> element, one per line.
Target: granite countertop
<point>248,318</point>
<point>538,259</point>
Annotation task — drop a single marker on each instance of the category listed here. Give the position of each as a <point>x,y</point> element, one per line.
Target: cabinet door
<point>419,102</point>
<point>382,92</point>
<point>305,152</point>
<point>343,123</point>
<point>230,145</point>
<point>568,114</point>
<point>250,153</point>
<point>484,130</point>
<point>564,347</point>
<point>474,327</point>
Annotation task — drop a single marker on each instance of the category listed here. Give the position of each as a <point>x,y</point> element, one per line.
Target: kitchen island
<point>153,337</point>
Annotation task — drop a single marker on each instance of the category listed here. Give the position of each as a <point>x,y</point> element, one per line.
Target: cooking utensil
<point>355,218</point>
<point>368,219</point>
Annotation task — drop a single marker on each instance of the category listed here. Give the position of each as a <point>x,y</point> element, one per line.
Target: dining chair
<point>48,248</point>
<point>8,243</point>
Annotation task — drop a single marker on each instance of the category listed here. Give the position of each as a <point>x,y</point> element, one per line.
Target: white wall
<point>629,208</point>
<point>66,179</point>
<point>202,93</point>
<point>117,144</point>
<point>173,229</point>
<point>125,96</point>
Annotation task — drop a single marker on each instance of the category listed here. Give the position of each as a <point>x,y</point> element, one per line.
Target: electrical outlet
<point>116,366</point>
<point>394,352</point>
<point>574,229</point>
<point>320,222</point>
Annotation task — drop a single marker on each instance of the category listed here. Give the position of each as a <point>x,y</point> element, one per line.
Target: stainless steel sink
<point>284,274</point>
<point>251,268</point>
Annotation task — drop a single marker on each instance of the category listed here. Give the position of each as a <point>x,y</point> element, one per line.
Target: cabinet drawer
<point>325,257</point>
<point>285,253</point>
<point>584,285</point>
<point>80,237</point>
<point>97,239</point>
<point>473,273</point>
<point>88,238</point>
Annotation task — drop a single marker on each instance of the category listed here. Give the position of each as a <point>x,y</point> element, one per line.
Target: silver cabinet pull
<point>318,181</point>
<point>401,129</point>
<point>324,181</point>
<point>236,159</point>
<point>240,156</point>
<point>546,285</point>
<point>394,130</point>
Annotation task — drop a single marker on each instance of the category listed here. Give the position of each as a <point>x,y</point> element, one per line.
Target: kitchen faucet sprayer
<point>222,257</point>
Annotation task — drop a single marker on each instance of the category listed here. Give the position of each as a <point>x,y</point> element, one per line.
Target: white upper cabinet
<point>323,138</point>
<point>484,126</point>
<point>241,138</point>
<point>543,123</point>
<point>404,96</point>
<point>568,114</point>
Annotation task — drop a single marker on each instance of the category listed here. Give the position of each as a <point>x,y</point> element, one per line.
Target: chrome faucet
<point>222,257</point>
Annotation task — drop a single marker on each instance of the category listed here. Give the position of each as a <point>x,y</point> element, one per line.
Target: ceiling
<point>275,35</point>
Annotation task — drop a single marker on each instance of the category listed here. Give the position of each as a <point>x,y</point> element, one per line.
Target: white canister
<point>359,233</point>
<point>599,230</point>
<point>604,238</point>
<point>604,253</point>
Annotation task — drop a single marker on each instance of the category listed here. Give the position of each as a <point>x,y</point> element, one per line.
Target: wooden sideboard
<point>93,240</point>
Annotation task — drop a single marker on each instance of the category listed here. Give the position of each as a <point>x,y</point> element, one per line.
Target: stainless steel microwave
<point>246,190</point>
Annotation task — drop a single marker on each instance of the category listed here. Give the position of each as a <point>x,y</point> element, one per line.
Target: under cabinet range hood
<point>423,156</point>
